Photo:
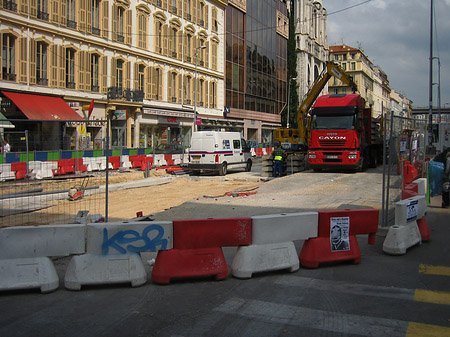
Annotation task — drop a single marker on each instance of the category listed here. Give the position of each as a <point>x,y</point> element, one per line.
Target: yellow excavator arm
<point>331,69</point>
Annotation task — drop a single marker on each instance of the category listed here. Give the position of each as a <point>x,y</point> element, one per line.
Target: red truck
<point>344,135</point>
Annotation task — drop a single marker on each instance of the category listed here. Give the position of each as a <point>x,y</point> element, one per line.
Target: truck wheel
<point>248,166</point>
<point>223,169</point>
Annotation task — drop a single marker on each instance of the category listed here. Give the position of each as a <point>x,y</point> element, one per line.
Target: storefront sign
<point>89,124</point>
<point>168,120</point>
<point>74,104</point>
<point>119,115</point>
<point>167,113</point>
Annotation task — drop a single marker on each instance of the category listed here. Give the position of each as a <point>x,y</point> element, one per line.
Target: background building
<point>256,67</point>
<point>138,60</point>
<point>311,42</point>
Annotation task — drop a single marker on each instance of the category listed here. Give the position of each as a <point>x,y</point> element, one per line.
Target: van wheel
<point>223,169</point>
<point>248,166</point>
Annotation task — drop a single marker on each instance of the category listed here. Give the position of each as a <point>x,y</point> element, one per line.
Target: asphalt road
<point>407,295</point>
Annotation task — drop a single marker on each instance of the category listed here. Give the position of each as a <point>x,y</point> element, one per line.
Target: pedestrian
<point>6,147</point>
<point>445,181</point>
<point>278,154</point>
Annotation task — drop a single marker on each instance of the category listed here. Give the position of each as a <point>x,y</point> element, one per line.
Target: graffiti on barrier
<point>133,242</point>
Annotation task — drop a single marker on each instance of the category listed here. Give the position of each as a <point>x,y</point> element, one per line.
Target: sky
<point>395,35</point>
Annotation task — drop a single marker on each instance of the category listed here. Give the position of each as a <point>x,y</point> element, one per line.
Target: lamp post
<point>195,87</point>
<point>439,88</point>
<point>289,98</point>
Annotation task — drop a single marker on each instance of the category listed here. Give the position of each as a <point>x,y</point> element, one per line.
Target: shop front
<point>164,131</point>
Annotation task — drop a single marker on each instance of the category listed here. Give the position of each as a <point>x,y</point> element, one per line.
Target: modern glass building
<point>256,66</point>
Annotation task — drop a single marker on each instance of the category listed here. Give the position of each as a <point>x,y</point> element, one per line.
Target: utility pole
<point>430,96</point>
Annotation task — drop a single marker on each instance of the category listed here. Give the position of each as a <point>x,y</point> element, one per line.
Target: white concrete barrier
<point>129,237</point>
<point>39,241</point>
<point>28,273</point>
<point>410,209</point>
<point>6,173</point>
<point>272,245</point>
<point>125,161</point>
<point>112,253</point>
<point>89,269</point>
<point>421,185</point>
<point>405,233</point>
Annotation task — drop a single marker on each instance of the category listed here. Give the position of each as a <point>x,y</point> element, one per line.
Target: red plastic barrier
<point>259,151</point>
<point>410,190</point>
<point>409,173</point>
<point>146,162</point>
<point>136,160</point>
<point>423,229</point>
<point>79,165</point>
<point>188,263</point>
<point>115,161</point>
<point>169,160</point>
<point>20,169</point>
<point>197,248</point>
<point>345,223</point>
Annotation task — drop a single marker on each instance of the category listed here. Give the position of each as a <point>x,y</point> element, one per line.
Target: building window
<point>119,74</point>
<point>157,80</point>
<point>173,87</point>
<point>201,92</point>
<point>70,68</point>
<point>187,90</point>
<point>188,10</point>
<point>71,14</point>
<point>202,14</point>
<point>213,94</point>
<point>158,35</point>
<point>96,17</point>
<point>174,42</point>
<point>42,10</point>
<point>142,30</point>
<point>119,24</point>
<point>188,47</point>
<point>95,73</point>
<point>41,64</point>
<point>141,77</point>
<point>8,57</point>
<point>353,66</point>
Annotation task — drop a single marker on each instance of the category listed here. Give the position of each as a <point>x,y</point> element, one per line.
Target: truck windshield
<point>332,122</point>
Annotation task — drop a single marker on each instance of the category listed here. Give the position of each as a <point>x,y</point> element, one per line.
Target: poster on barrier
<point>339,234</point>
<point>412,210</point>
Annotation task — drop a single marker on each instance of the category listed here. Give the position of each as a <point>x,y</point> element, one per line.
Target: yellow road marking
<point>434,270</point>
<point>426,330</point>
<point>428,296</point>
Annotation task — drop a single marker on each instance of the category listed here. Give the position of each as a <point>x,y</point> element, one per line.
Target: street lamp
<point>195,87</point>
<point>289,98</point>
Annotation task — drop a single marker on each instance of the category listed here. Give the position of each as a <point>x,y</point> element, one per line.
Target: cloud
<point>395,35</point>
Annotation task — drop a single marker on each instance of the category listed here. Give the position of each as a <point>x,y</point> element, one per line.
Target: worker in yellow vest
<point>278,155</point>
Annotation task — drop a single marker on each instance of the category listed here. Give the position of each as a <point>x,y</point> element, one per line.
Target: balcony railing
<point>126,94</point>
<point>174,10</point>
<point>188,59</point>
<point>71,24</point>
<point>42,15</point>
<point>95,88</point>
<point>70,85</point>
<point>120,38</point>
<point>95,31</point>
<point>174,54</point>
<point>188,16</point>
<point>42,81</point>
<point>10,5</point>
<point>174,99</point>
<point>9,76</point>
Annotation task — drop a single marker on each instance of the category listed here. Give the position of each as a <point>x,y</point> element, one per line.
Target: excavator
<point>296,139</point>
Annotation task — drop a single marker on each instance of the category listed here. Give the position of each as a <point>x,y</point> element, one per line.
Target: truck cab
<point>218,151</point>
<point>338,135</point>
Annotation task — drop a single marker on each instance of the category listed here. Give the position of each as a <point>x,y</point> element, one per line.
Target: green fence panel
<point>98,153</point>
<point>116,152</point>
<point>24,157</point>
<point>133,152</point>
<point>53,156</point>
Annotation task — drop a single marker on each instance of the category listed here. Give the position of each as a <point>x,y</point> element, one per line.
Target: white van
<point>218,151</point>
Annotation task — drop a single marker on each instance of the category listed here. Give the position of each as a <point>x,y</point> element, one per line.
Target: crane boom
<point>299,135</point>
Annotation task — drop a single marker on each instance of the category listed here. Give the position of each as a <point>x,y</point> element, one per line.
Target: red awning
<point>40,107</point>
